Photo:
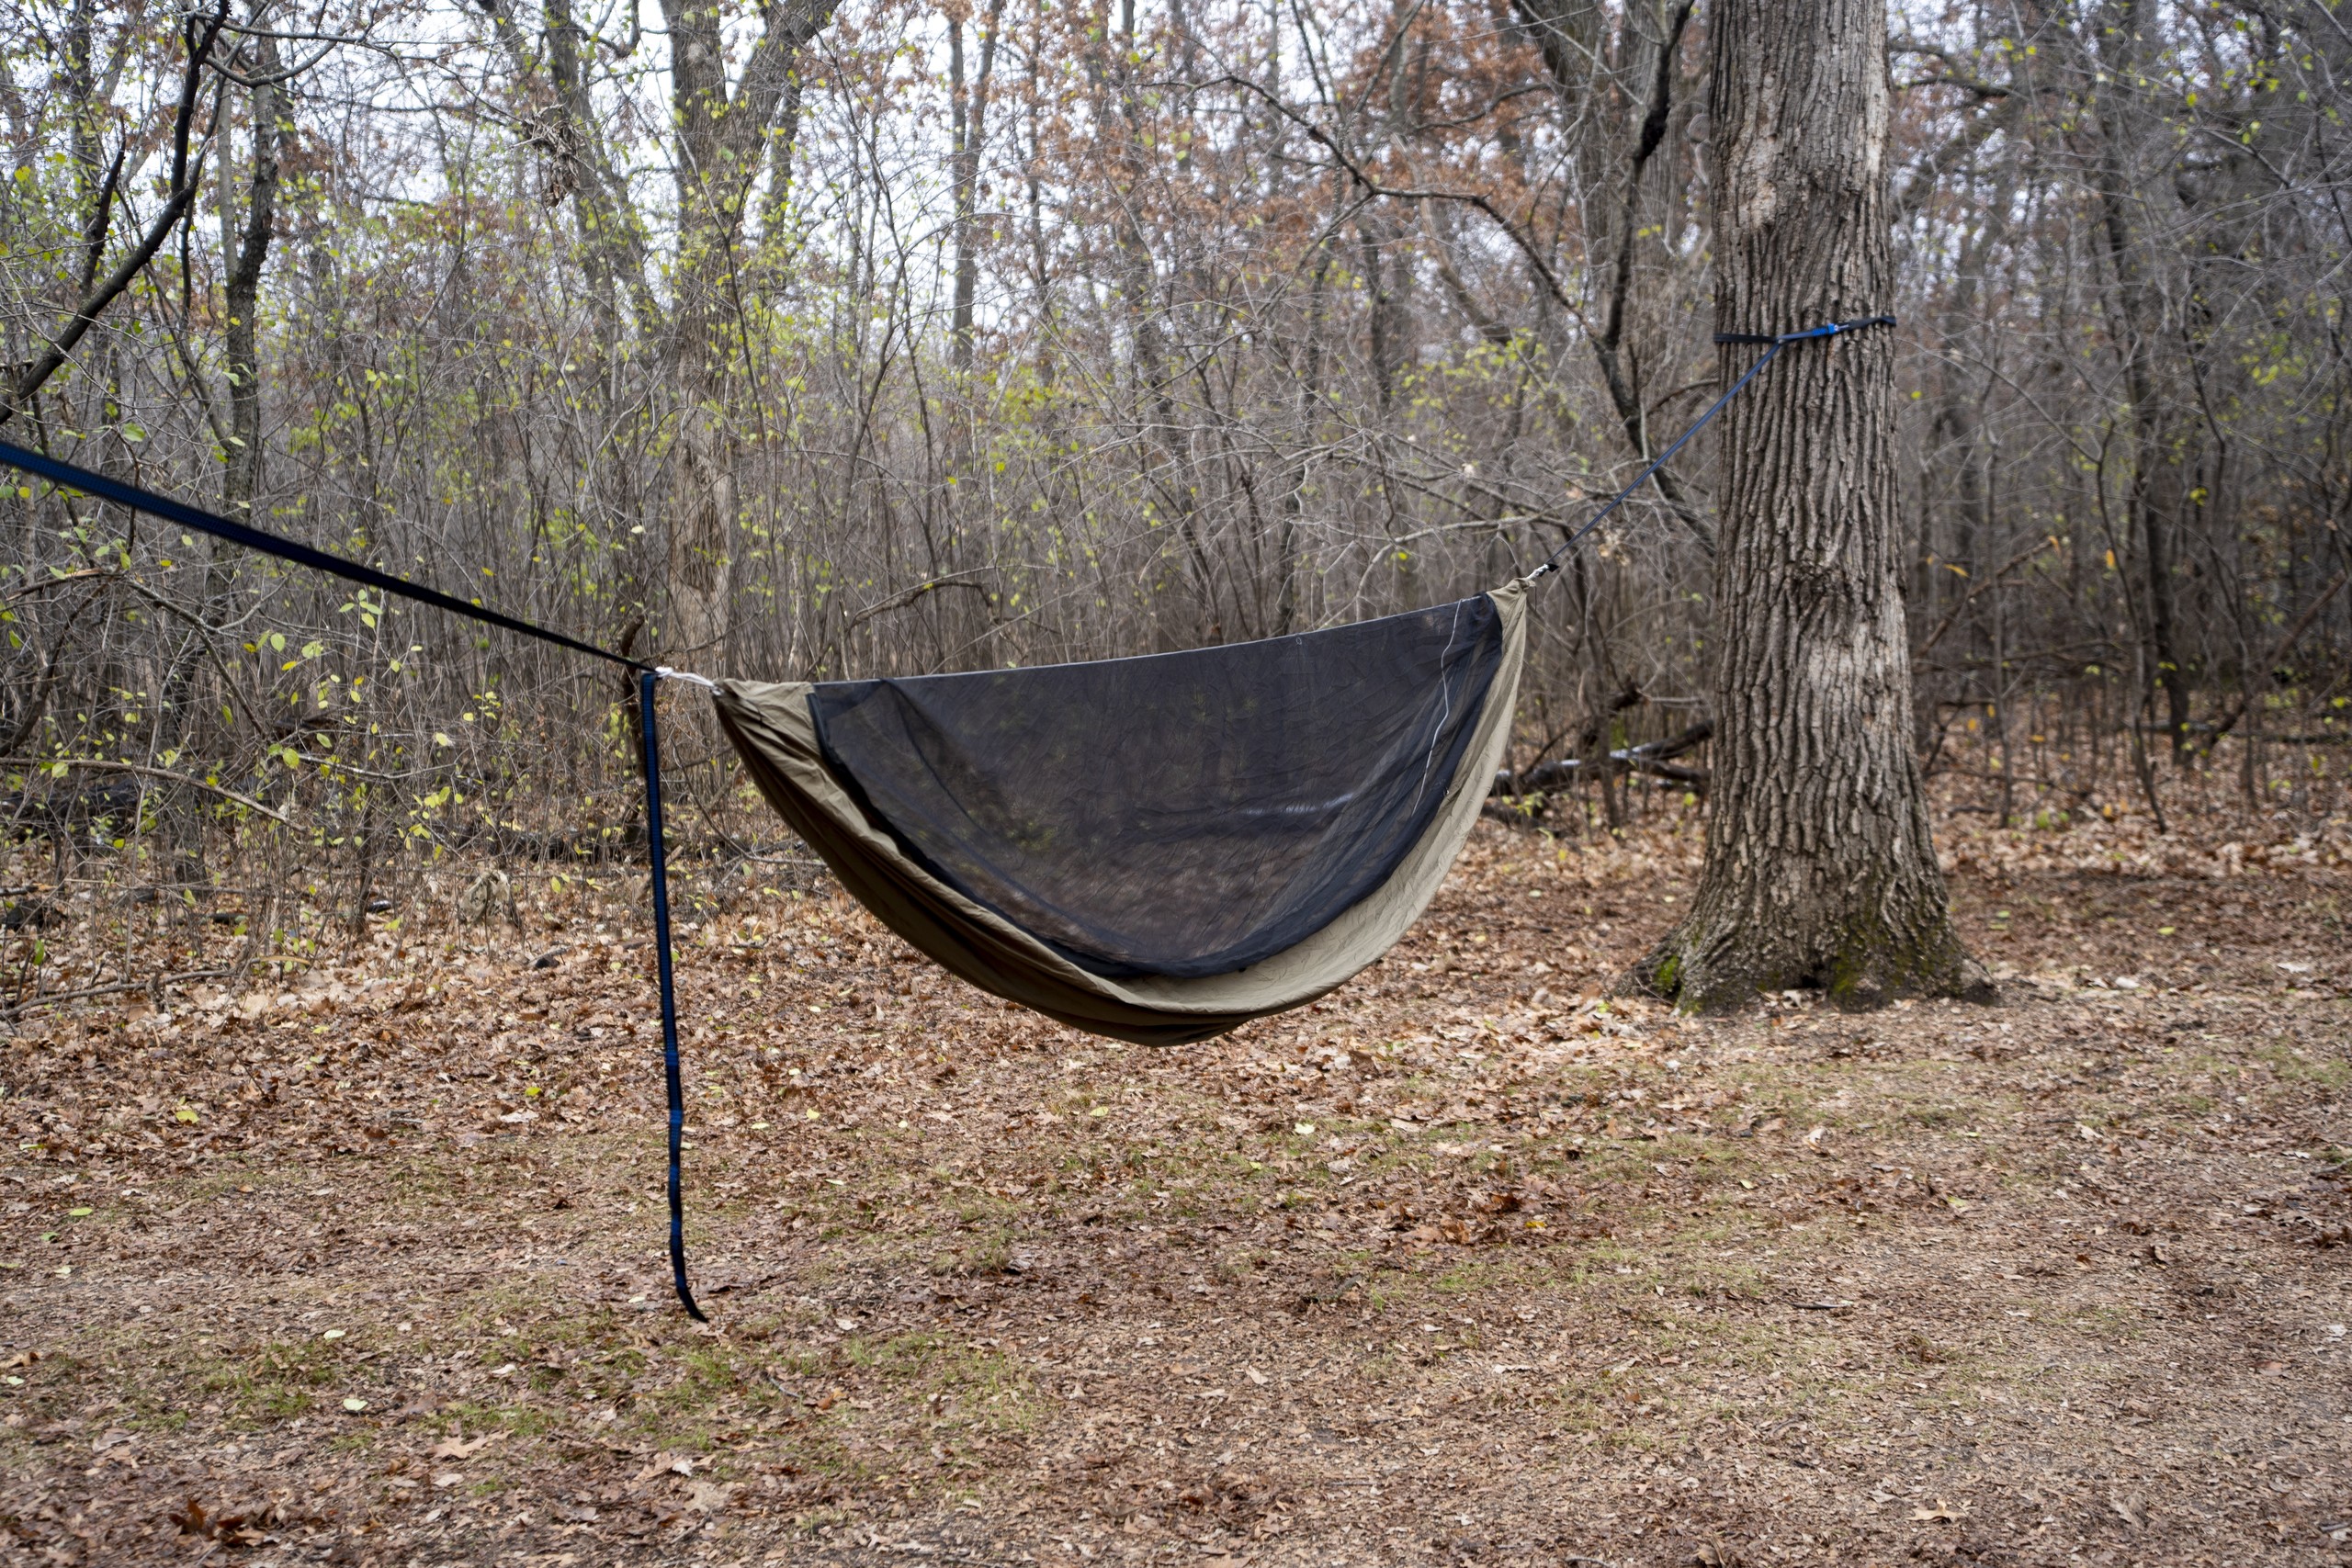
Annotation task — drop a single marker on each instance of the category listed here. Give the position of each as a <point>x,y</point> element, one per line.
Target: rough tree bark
<point>1819,869</point>
<point>967,136</point>
<point>245,255</point>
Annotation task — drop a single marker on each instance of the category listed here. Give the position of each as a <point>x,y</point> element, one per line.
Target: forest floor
<point>1467,1263</point>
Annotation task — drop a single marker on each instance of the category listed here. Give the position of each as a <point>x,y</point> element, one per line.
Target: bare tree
<point>722,146</point>
<point>245,250</point>
<point>967,136</point>
<point>97,290</point>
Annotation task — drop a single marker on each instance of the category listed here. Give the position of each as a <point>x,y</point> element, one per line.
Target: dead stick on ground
<point>102,764</point>
<point>2279,651</point>
<point>158,983</point>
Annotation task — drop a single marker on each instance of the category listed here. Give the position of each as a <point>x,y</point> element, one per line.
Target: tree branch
<point>1654,758</point>
<point>101,764</point>
<point>186,175</point>
<point>2229,721</point>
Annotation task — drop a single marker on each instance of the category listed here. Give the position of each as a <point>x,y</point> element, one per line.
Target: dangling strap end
<point>657,868</point>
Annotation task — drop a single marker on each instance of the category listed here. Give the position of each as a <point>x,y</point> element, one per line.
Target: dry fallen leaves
<point>228,1529</point>
<point>668,1464</point>
<point>457,1448</point>
<point>710,1497</point>
<point>1455,1096</point>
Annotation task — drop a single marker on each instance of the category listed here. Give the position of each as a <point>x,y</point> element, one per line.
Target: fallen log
<point>1654,758</point>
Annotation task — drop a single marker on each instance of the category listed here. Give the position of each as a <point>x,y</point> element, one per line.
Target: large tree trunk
<point>2162,432</point>
<point>1819,869</point>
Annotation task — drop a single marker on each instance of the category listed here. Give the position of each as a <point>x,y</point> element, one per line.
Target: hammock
<point>1153,849</point>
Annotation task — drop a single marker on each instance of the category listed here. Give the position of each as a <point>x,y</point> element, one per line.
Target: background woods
<point>836,337</point>
<point>792,339</point>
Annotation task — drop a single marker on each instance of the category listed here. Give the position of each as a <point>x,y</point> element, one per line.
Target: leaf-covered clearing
<point>1467,1263</point>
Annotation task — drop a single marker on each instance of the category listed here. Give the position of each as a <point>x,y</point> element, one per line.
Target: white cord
<point>669,674</point>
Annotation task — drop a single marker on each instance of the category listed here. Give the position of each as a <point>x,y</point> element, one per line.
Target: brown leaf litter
<point>1470,1262</point>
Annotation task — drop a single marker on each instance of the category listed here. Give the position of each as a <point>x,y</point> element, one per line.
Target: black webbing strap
<point>130,495</point>
<point>1781,341</point>
<point>254,538</point>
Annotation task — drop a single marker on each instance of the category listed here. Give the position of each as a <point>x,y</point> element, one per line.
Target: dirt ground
<point>1468,1263</point>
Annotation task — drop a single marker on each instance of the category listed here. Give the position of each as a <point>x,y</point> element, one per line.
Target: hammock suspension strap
<point>70,476</point>
<point>1776,343</point>
<point>647,681</point>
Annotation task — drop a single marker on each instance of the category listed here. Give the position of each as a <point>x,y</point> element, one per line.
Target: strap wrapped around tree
<point>1154,849</point>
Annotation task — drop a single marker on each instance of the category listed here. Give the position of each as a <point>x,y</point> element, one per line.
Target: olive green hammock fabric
<point>1159,849</point>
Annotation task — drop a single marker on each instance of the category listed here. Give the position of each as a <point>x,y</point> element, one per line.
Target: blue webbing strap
<point>130,495</point>
<point>646,681</point>
<point>253,538</point>
<point>1551,562</point>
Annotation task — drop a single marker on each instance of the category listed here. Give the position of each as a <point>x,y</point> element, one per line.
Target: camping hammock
<point>1155,849</point>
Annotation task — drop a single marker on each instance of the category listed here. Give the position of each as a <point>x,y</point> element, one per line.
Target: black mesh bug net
<point>1186,814</point>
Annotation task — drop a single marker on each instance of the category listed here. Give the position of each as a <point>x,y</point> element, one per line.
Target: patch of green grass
<point>219,1183</point>
<point>2117,1324</point>
<point>2291,1066</point>
<point>1480,1276</point>
<point>153,1419</point>
<point>984,1254</point>
<point>522,1420</point>
<point>248,1400</point>
<point>982,1208</point>
<point>811,1520</point>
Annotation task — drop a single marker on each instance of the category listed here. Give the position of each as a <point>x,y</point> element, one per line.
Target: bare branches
<point>1654,758</point>
<point>188,173</point>
<point>905,597</point>
<point>107,765</point>
<point>1608,346</point>
<point>1950,70</point>
<point>1356,172</point>
<point>2279,650</point>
